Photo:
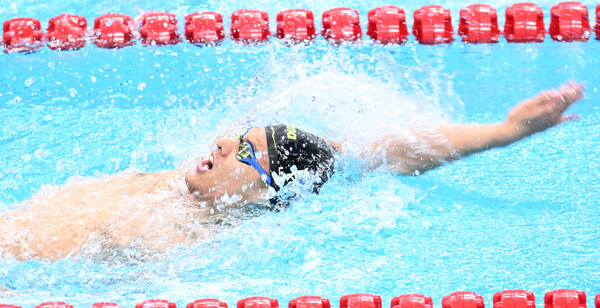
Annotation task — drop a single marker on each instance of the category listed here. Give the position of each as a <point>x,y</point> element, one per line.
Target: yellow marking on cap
<point>273,135</point>
<point>291,132</point>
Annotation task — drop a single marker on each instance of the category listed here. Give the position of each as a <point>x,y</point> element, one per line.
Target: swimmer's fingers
<point>546,109</point>
<point>540,100</point>
<point>553,103</point>
<point>568,94</point>
<point>546,97</point>
<point>568,118</point>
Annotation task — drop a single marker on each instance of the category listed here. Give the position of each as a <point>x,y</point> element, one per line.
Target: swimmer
<point>156,211</point>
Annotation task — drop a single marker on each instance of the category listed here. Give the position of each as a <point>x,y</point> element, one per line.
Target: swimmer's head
<point>281,155</point>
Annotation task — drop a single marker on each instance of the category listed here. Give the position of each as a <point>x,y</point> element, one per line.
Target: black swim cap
<point>292,150</point>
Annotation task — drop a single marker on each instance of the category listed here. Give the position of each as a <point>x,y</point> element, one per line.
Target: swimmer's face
<point>223,178</point>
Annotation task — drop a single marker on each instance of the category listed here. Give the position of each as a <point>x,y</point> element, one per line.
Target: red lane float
<point>479,24</point>
<point>387,25</point>
<point>207,303</point>
<point>360,300</point>
<point>565,299</point>
<point>204,28</point>
<point>159,28</point>
<point>296,25</point>
<point>309,301</point>
<point>463,299</point>
<point>22,34</point>
<point>66,31</point>
<point>514,299</point>
<point>113,30</point>
<point>258,302</point>
<point>412,301</point>
<point>54,305</point>
<point>569,22</point>
<point>105,305</point>
<point>250,26</point>
<point>524,23</point>
<point>341,25</point>
<point>156,303</point>
<point>597,300</point>
<point>9,306</point>
<point>433,25</point>
<point>597,26</point>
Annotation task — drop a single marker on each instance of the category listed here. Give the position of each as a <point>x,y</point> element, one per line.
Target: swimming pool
<point>521,217</point>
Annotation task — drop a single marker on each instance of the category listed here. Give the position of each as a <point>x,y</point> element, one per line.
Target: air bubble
<point>72,92</point>
<point>141,86</point>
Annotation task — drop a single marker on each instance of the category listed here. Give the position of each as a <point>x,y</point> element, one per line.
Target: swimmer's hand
<point>543,111</point>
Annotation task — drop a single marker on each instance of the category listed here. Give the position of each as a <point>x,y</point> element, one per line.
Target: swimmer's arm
<point>453,141</point>
<point>526,118</point>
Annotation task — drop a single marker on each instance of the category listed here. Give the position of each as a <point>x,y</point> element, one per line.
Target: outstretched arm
<point>429,149</point>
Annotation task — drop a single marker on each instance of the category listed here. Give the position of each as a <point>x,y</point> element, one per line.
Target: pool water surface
<point>525,216</point>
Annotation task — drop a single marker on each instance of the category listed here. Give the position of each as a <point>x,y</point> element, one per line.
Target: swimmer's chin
<point>192,188</point>
<point>202,196</point>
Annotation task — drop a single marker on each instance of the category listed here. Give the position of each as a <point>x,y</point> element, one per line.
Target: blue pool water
<point>525,216</point>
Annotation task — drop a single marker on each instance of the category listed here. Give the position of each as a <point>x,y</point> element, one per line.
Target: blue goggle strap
<point>252,161</point>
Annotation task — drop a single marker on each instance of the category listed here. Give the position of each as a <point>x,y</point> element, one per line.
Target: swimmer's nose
<point>226,146</point>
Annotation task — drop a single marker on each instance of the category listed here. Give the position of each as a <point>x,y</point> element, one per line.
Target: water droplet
<point>73,92</point>
<point>141,86</point>
<point>93,79</point>
<point>29,81</point>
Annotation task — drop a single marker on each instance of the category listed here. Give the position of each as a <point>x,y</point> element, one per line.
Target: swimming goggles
<point>245,154</point>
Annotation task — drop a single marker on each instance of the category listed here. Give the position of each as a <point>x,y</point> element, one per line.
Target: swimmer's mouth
<point>205,165</point>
